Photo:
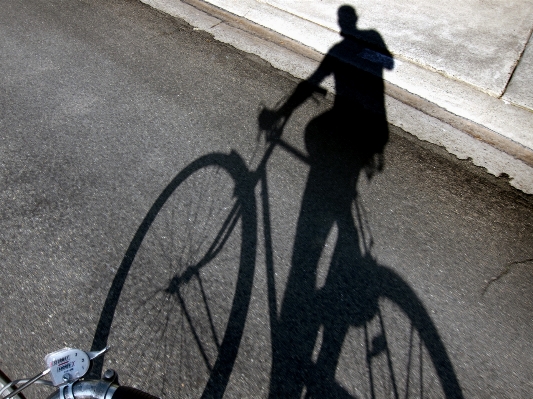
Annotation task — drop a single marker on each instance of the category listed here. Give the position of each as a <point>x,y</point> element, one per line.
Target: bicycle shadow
<point>313,325</point>
<point>310,333</point>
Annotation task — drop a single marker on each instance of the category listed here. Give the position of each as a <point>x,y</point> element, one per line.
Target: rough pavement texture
<point>103,104</point>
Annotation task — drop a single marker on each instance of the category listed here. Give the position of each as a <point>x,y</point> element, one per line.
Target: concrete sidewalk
<point>462,69</point>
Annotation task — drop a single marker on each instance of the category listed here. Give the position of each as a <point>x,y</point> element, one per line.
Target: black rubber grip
<point>131,393</point>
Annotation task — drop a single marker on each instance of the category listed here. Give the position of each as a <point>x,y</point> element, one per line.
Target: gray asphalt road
<point>102,107</point>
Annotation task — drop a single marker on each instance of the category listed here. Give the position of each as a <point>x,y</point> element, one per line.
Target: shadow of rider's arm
<point>273,120</point>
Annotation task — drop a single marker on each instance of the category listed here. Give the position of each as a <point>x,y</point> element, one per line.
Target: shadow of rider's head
<point>347,19</point>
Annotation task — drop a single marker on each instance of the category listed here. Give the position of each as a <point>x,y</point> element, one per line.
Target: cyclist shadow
<point>343,144</point>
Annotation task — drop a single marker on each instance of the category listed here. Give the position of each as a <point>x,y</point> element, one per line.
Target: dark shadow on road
<point>179,300</point>
<point>344,143</point>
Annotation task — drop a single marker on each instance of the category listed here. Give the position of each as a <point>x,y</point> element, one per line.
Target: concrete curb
<point>493,133</point>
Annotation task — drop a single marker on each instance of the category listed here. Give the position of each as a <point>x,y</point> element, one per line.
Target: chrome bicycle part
<point>94,354</point>
<point>26,384</point>
<point>101,389</point>
<point>66,367</point>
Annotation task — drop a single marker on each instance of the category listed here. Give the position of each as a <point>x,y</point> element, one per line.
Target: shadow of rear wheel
<point>398,353</point>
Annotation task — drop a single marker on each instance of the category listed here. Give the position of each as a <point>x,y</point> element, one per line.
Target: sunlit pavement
<point>103,106</point>
<point>462,70</point>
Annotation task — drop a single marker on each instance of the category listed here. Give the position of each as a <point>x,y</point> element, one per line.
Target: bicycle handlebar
<point>131,393</point>
<point>99,389</point>
<point>67,367</point>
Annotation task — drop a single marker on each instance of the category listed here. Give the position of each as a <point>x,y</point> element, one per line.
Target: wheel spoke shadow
<point>167,272</point>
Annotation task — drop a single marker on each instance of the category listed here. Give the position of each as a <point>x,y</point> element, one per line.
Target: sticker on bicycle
<point>67,365</point>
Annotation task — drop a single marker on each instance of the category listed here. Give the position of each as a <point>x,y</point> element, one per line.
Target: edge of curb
<point>424,106</point>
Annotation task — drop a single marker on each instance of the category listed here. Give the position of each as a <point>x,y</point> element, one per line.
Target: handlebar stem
<point>91,389</point>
